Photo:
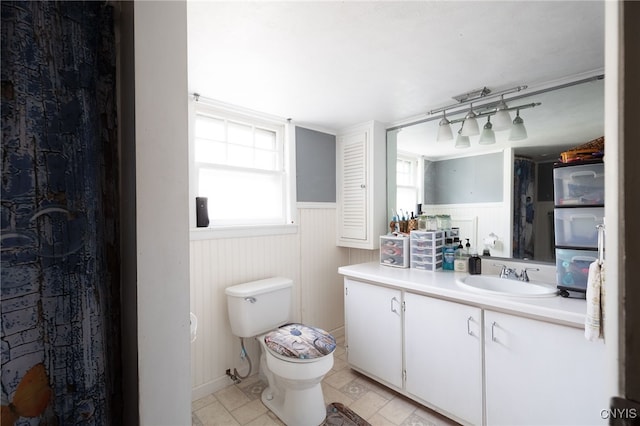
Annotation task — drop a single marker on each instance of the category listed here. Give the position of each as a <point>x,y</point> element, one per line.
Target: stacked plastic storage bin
<point>394,251</point>
<point>426,249</point>
<point>579,209</point>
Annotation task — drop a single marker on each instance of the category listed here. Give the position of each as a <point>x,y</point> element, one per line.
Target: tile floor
<point>240,404</point>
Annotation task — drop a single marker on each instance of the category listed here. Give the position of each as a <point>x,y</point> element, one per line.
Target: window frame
<point>285,136</point>
<point>416,166</point>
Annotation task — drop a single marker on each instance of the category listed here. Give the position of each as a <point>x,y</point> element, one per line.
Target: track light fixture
<point>498,109</point>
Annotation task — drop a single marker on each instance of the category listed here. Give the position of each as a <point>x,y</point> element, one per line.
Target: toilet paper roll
<point>194,326</point>
<point>491,240</point>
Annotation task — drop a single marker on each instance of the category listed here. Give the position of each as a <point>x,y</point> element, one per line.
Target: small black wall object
<point>202,212</point>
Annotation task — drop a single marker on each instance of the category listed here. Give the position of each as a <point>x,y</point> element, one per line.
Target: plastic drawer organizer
<point>579,210</point>
<point>394,251</point>
<point>578,227</point>
<point>572,268</point>
<point>578,185</point>
<point>426,249</point>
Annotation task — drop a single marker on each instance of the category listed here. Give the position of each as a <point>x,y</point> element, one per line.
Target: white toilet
<point>294,357</point>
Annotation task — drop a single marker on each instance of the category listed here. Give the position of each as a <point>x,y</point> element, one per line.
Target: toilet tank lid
<point>258,287</point>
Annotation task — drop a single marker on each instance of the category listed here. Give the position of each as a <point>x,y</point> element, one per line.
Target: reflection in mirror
<point>521,215</point>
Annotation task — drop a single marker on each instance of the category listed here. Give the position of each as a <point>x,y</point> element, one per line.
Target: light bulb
<point>444,130</point>
<point>502,120</point>
<point>518,131</point>
<point>462,141</point>
<point>470,124</point>
<point>488,136</point>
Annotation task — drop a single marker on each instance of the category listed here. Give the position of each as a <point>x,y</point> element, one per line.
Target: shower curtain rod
<point>238,109</point>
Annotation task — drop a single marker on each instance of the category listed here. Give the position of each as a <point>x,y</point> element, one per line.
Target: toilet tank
<point>259,306</point>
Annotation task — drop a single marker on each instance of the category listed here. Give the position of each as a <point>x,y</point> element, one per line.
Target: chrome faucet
<point>524,276</point>
<point>510,273</point>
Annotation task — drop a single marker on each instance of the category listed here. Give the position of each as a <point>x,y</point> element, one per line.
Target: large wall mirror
<point>499,195</point>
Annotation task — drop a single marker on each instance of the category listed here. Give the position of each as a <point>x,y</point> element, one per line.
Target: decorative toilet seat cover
<point>300,341</point>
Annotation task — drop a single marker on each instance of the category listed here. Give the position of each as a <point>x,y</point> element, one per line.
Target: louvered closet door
<point>353,208</point>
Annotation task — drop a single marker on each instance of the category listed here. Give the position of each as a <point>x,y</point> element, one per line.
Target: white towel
<point>594,320</point>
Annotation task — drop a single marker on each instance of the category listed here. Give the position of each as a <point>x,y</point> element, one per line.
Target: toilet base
<point>289,406</point>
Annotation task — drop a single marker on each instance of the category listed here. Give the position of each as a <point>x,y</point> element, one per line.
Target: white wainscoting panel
<point>310,257</point>
<point>321,286</point>
<point>362,256</point>
<point>490,217</point>
<point>215,265</point>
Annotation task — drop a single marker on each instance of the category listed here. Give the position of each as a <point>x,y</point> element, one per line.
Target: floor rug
<point>339,415</point>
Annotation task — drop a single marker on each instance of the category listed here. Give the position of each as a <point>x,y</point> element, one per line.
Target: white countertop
<point>442,284</point>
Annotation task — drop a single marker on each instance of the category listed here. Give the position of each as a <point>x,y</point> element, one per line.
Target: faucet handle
<point>524,276</point>
<point>504,271</point>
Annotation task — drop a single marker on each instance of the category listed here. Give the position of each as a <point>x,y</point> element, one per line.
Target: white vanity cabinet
<point>373,326</point>
<point>443,355</point>
<point>361,186</point>
<point>478,360</point>
<point>541,373</point>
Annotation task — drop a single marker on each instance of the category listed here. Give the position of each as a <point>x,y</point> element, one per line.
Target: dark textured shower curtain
<point>59,216</point>
<point>523,208</point>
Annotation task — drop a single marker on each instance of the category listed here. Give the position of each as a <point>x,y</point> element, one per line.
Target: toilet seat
<point>299,343</point>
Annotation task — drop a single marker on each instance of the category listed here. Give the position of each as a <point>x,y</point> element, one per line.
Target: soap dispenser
<point>461,262</point>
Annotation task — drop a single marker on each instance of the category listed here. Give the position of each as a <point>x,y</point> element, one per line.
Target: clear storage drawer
<point>578,226</point>
<point>394,251</point>
<point>573,267</point>
<point>426,249</point>
<point>579,185</point>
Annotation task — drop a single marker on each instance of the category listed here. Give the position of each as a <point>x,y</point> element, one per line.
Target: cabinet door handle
<point>363,186</point>
<point>393,309</point>
<point>493,336</point>
<point>469,332</point>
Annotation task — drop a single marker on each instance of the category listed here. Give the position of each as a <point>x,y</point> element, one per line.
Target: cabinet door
<point>443,355</point>
<point>373,322</point>
<point>542,373</point>
<point>352,168</point>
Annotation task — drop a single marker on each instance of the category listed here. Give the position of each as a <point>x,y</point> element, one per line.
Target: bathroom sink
<point>506,287</point>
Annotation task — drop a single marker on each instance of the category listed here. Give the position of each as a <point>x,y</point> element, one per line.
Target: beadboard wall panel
<point>489,217</point>
<point>216,265</point>
<point>310,257</point>
<point>322,298</point>
<point>362,256</point>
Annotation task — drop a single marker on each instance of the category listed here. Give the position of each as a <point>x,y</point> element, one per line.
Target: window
<point>406,184</point>
<point>239,164</point>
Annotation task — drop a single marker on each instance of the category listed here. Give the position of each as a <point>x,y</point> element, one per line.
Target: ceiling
<point>330,65</point>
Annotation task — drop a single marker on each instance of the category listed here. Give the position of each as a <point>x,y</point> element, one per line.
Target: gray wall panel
<point>315,166</point>
<point>477,179</point>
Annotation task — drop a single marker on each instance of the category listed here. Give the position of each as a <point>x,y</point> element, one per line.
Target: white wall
<point>476,221</point>
<point>162,234</point>
<point>614,187</point>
